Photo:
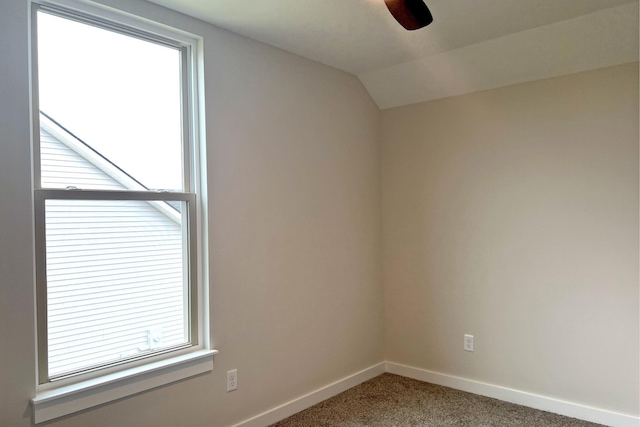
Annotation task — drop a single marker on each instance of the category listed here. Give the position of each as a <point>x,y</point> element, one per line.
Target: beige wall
<point>296,296</point>
<point>512,214</point>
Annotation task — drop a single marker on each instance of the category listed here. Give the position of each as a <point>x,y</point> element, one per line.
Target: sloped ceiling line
<point>470,46</point>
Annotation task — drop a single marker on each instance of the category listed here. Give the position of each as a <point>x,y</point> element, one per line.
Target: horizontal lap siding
<point>114,269</point>
<point>61,167</point>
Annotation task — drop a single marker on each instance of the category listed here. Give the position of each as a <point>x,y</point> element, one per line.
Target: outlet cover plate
<point>468,342</point>
<point>232,380</point>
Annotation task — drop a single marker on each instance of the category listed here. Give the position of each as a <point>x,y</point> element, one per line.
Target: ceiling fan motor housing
<point>411,14</point>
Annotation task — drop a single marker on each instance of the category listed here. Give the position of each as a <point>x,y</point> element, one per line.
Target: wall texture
<point>512,215</point>
<point>296,297</point>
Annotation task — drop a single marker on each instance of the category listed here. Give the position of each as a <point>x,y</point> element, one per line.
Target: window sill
<point>58,402</point>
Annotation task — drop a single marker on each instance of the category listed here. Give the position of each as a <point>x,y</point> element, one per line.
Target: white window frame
<point>78,392</point>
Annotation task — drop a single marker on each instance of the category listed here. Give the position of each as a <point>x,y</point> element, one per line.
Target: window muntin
<point>114,215</point>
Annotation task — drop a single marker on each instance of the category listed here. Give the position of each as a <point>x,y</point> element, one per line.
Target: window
<point>117,198</point>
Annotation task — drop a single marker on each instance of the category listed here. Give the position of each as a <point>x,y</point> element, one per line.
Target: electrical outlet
<point>232,380</point>
<point>468,342</point>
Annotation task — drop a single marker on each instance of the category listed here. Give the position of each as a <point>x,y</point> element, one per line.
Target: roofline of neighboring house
<point>91,154</point>
<point>106,166</point>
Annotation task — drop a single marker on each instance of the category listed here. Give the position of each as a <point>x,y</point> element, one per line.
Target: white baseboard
<point>543,403</point>
<point>294,406</point>
<point>531,400</point>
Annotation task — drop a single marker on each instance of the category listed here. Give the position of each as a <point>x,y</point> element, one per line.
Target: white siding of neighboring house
<point>114,269</point>
<point>61,167</point>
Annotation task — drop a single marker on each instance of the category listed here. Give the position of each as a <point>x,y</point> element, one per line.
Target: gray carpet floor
<point>392,400</point>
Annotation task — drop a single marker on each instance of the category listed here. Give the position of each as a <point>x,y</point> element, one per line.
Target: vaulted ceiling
<point>471,45</point>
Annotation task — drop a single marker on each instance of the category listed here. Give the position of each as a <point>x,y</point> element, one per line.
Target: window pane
<point>116,280</point>
<point>115,106</point>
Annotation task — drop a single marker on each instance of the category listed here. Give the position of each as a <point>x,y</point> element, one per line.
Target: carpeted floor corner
<point>392,400</point>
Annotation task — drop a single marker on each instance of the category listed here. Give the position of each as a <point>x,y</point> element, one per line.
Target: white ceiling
<point>471,45</point>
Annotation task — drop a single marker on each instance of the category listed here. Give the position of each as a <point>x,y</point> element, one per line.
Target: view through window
<point>115,208</point>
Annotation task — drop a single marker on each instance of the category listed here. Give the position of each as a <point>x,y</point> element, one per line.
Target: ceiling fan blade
<point>411,14</point>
